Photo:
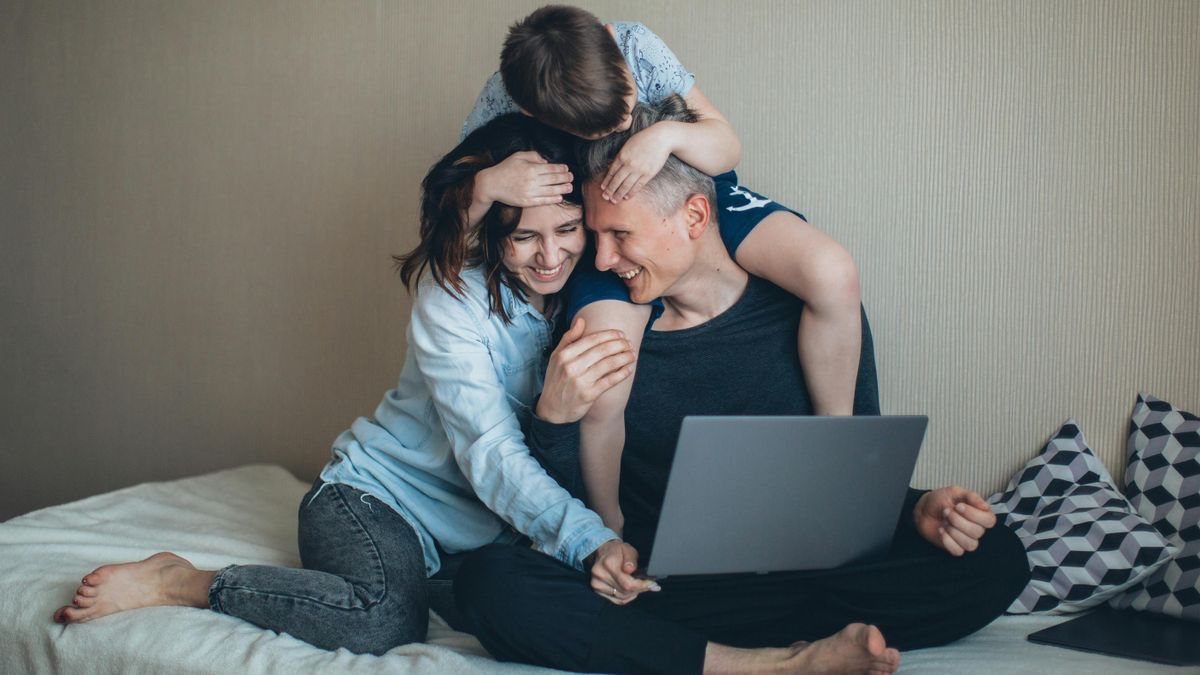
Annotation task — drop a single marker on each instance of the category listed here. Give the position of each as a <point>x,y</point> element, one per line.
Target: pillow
<point>1084,540</point>
<point>1162,481</point>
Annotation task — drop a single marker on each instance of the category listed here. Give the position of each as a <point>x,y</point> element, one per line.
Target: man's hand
<point>612,573</point>
<point>953,519</point>
<point>581,368</point>
<point>523,179</point>
<point>640,159</point>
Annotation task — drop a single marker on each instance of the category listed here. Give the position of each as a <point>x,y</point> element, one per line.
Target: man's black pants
<point>528,607</point>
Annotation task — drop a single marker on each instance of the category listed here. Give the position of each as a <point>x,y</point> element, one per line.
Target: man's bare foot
<point>857,648</point>
<point>162,579</point>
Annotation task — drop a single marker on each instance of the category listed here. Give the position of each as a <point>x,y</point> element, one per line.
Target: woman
<point>442,467</point>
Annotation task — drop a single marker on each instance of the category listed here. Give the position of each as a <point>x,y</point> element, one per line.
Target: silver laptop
<point>768,494</point>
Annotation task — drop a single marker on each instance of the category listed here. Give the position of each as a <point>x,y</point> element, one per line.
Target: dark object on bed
<point>1128,634</point>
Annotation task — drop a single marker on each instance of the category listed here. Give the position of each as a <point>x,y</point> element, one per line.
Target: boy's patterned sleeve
<point>656,69</point>
<point>493,102</point>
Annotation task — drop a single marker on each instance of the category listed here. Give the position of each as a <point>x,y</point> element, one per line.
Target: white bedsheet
<point>248,515</point>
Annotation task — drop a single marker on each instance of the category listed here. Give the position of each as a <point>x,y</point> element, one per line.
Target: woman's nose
<point>549,251</point>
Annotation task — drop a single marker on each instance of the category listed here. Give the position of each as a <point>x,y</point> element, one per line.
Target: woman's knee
<point>377,623</point>
<point>381,627</point>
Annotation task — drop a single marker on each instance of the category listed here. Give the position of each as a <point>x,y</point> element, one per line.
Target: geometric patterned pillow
<point>1162,481</point>
<point>1085,542</point>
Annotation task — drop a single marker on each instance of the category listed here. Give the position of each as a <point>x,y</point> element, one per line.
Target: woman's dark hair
<point>448,243</point>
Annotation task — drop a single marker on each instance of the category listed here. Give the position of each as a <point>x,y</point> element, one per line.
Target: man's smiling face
<point>649,251</point>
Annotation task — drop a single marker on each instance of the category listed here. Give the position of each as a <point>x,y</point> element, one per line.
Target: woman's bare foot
<point>162,579</point>
<point>857,648</point>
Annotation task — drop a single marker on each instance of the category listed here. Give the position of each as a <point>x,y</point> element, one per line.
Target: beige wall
<point>198,200</point>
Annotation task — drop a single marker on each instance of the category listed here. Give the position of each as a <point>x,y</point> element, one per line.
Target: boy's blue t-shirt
<point>738,211</point>
<point>656,70</point>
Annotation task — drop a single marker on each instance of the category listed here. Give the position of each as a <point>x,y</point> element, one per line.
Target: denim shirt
<point>445,448</point>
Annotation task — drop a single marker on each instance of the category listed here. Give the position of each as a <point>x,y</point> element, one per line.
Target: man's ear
<point>698,214</point>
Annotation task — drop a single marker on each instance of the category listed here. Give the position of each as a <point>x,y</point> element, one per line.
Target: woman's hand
<point>953,519</point>
<point>612,573</point>
<point>581,368</point>
<point>640,159</point>
<point>523,179</point>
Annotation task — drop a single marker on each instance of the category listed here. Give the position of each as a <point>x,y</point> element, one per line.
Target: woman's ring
<point>614,590</point>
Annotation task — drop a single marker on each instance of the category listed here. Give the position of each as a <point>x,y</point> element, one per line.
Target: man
<point>724,344</point>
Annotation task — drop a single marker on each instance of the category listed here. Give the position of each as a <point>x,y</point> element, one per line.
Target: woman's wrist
<point>590,559</point>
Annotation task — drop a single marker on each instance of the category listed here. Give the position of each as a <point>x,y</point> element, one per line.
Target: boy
<point>564,67</point>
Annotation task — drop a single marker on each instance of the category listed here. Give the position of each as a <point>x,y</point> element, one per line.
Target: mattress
<point>248,515</point>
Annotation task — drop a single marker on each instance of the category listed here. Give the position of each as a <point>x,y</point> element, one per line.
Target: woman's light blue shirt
<point>445,447</point>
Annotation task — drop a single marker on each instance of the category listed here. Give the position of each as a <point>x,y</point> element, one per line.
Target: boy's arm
<point>792,254</point>
<point>711,145</point>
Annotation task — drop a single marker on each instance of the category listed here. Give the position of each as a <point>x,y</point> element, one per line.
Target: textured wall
<point>198,200</point>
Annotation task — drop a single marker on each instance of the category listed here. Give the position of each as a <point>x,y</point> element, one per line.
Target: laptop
<point>767,494</point>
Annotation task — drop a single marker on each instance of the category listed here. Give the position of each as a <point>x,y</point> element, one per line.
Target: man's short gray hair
<point>676,181</point>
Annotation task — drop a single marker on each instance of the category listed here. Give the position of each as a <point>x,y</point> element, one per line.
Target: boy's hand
<point>953,519</point>
<point>642,157</point>
<point>524,179</point>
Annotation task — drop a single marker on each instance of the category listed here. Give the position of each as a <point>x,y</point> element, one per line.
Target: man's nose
<point>606,253</point>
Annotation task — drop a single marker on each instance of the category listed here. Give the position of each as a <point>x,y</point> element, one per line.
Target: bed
<point>248,515</point>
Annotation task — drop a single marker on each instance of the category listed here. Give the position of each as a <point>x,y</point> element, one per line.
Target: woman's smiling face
<point>543,249</point>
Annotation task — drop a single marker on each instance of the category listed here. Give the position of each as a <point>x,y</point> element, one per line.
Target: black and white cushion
<point>1162,481</point>
<point>1084,540</point>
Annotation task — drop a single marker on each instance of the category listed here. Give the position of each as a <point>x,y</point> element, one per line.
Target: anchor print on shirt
<point>753,201</point>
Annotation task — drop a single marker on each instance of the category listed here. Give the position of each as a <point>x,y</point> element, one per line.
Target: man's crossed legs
<point>527,607</point>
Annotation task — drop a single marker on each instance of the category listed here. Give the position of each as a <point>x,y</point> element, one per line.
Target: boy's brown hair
<point>561,65</point>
